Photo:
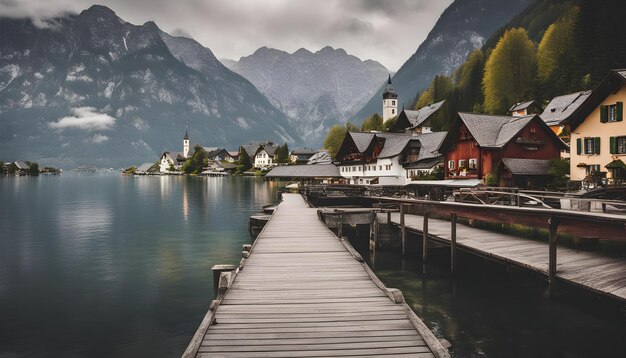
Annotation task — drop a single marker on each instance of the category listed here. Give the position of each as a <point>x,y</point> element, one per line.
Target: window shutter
<point>579,146</point>
<point>620,111</point>
<point>597,145</point>
<point>604,114</point>
<point>613,145</point>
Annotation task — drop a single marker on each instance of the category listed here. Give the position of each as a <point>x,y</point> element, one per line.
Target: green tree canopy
<point>195,163</point>
<point>373,123</point>
<point>244,163</point>
<point>335,137</point>
<point>510,71</point>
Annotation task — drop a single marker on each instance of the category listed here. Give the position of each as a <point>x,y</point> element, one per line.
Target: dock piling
<point>425,238</point>
<point>217,271</point>
<point>402,228</point>
<point>453,243</point>
<point>554,226</point>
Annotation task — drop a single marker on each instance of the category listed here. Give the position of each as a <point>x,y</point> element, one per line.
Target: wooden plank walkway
<point>590,270</point>
<point>303,293</point>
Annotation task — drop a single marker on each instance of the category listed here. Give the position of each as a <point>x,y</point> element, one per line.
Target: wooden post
<point>217,271</point>
<point>340,226</point>
<point>402,228</point>
<point>453,243</point>
<point>554,225</point>
<point>425,237</point>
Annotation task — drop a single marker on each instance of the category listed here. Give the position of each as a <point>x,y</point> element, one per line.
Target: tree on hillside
<point>334,139</point>
<point>469,79</point>
<point>373,123</point>
<point>510,71</point>
<point>442,88</point>
<point>244,163</point>
<point>555,55</point>
<point>195,163</point>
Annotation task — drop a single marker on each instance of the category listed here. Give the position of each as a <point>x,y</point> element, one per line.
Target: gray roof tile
<point>560,108</point>
<point>519,166</point>
<point>416,118</point>
<point>304,171</point>
<point>494,131</point>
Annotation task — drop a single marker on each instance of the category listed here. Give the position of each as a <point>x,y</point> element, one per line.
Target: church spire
<point>186,130</point>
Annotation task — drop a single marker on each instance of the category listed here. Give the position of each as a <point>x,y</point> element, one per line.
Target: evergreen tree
<point>195,163</point>
<point>244,163</point>
<point>510,71</point>
<point>336,136</point>
<point>373,123</point>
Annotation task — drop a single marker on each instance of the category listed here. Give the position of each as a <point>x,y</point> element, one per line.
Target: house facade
<point>380,158</point>
<point>416,121</point>
<point>503,147</point>
<point>301,155</point>
<point>598,131</point>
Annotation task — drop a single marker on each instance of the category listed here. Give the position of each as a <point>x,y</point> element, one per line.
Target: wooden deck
<point>302,292</point>
<point>590,270</point>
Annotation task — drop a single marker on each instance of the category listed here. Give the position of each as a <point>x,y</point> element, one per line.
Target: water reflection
<point>115,266</point>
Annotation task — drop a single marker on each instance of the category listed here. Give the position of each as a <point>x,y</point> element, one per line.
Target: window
<point>472,163</point>
<point>592,145</point>
<point>393,111</point>
<point>354,169</point>
<point>450,164</point>
<point>611,112</point>
<point>593,168</point>
<point>461,163</point>
<point>380,167</point>
<point>393,103</point>
<point>618,145</point>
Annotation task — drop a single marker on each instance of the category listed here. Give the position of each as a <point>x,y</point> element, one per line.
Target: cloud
<point>97,138</point>
<point>85,118</point>
<point>388,31</point>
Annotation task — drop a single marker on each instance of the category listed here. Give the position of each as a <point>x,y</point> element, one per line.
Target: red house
<point>516,150</point>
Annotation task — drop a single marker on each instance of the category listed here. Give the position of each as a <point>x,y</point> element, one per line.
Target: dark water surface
<point>489,311</point>
<point>110,266</point>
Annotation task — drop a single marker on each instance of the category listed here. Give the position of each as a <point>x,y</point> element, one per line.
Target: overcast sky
<point>388,31</point>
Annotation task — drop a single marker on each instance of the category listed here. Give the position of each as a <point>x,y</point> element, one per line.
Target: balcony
<point>463,174</point>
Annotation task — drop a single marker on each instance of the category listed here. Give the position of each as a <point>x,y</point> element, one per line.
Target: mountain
<point>314,89</point>
<point>94,89</point>
<point>463,27</point>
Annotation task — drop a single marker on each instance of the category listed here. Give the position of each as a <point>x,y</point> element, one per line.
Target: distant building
<point>390,101</point>
<point>598,131</point>
<point>302,155</point>
<point>147,169</point>
<point>516,150</point>
<point>558,112</point>
<point>321,157</point>
<point>525,108</point>
<point>416,121</point>
<point>261,154</point>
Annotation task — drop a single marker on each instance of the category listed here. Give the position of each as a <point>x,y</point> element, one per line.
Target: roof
<point>394,143</point>
<point>186,135</point>
<point>303,151</point>
<point>253,147</point>
<point>321,157</point>
<point>522,105</point>
<point>362,140</point>
<point>430,143</point>
<point>425,163</point>
<point>417,118</point>
<point>269,149</point>
<point>144,167</point>
<point>174,156</point>
<point>233,153</point>
<point>304,171</point>
<point>613,81</point>
<point>616,164</point>
<point>454,183</point>
<point>560,108</point>
<point>21,164</point>
<point>494,131</point>
<point>519,166</point>
<point>390,91</point>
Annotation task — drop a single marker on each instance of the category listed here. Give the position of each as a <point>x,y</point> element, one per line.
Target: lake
<point>114,266</point>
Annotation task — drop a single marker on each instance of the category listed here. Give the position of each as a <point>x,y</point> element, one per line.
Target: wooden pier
<point>302,292</point>
<point>590,270</point>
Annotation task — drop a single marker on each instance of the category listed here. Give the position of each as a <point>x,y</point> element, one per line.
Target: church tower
<point>390,101</point>
<point>186,143</point>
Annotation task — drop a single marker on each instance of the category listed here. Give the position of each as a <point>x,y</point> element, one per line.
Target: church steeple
<point>390,101</point>
<point>186,142</point>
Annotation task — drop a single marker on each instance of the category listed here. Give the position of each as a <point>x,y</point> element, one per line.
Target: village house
<point>525,108</point>
<point>379,158</point>
<point>515,150</point>
<point>174,160</point>
<point>301,155</point>
<point>261,154</point>
<point>416,121</point>
<point>598,132</point>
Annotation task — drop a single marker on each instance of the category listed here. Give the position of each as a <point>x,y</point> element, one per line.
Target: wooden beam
<point>340,226</point>
<point>554,226</point>
<point>425,238</point>
<point>453,243</point>
<point>402,228</point>
<point>217,271</point>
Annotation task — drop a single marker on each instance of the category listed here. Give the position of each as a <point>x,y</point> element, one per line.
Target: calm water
<point>110,266</point>
<point>486,311</point>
